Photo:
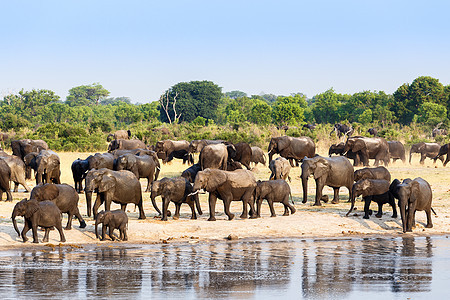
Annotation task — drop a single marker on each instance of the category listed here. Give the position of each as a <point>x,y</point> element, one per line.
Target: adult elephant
<point>5,177</point>
<point>121,187</point>
<point>369,148</point>
<point>292,147</point>
<point>79,168</point>
<point>48,167</point>
<point>169,146</point>
<point>397,151</point>
<point>215,156</point>
<point>17,167</point>
<point>30,164</point>
<point>197,145</point>
<point>238,185</point>
<point>444,150</point>
<point>243,154</point>
<point>339,150</point>
<point>258,156</point>
<point>331,171</point>
<point>21,148</point>
<point>101,160</point>
<point>342,130</point>
<point>126,145</point>
<point>119,135</point>
<point>141,166</point>
<point>430,150</point>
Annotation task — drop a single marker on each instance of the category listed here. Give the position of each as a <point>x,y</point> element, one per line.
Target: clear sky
<point>139,49</point>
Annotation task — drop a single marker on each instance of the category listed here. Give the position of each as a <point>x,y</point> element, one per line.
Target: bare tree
<point>164,101</point>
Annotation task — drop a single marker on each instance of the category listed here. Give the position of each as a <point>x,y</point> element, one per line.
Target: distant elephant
<point>273,191</point>
<point>342,129</point>
<point>43,214</point>
<point>430,150</point>
<point>436,131</point>
<point>258,156</point>
<point>280,168</point>
<point>64,196</point>
<point>243,154</point>
<point>5,178</point>
<point>80,167</point>
<point>181,154</point>
<point>413,195</point>
<point>369,148</point>
<point>177,190</point>
<point>444,150</point>
<point>238,185</point>
<point>101,160</point>
<point>48,167</point>
<point>197,145</point>
<point>17,167</point>
<point>376,190</point>
<point>168,146</point>
<point>291,147</point>
<point>121,187</point>
<point>141,166</point>
<point>397,151</point>
<point>30,164</point>
<point>215,156</point>
<point>339,150</point>
<point>373,131</point>
<point>191,172</point>
<point>116,219</point>
<point>372,173</point>
<point>119,135</point>
<point>311,127</point>
<point>331,171</point>
<point>126,145</point>
<point>21,148</point>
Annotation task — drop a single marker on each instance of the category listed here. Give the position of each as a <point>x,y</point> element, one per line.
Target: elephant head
<point>47,162</point>
<point>336,149</point>
<point>209,180</point>
<point>110,137</point>
<point>277,144</point>
<point>357,145</point>
<point>25,208</point>
<point>30,163</point>
<point>231,149</point>
<point>316,166</point>
<point>193,146</point>
<point>406,193</point>
<point>128,162</point>
<point>100,180</point>
<point>104,218</point>
<point>158,188</point>
<point>114,144</point>
<point>416,148</point>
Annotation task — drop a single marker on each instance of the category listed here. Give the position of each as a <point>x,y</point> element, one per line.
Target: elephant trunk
<point>88,202</point>
<point>353,197</point>
<point>305,188</point>
<point>410,154</point>
<point>158,169</point>
<point>152,197</point>
<point>403,213</point>
<point>197,204</point>
<point>13,217</point>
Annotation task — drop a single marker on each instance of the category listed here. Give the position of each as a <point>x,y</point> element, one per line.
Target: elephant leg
<point>62,238</point>
<point>97,204</point>
<point>104,227</point>
<point>319,187</point>
<point>212,207</point>
<point>123,206</point>
<point>16,187</point>
<point>111,230</point>
<point>124,232</point>
<point>291,207</point>
<point>26,228</point>
<point>447,159</point>
<point>165,206</point>
<point>380,210</point>
<point>69,221</point>
<point>149,181</point>
<point>422,158</point>
<point>46,235</point>
<point>286,210</point>
<point>336,196</point>
<point>394,207</point>
<point>272,210</point>
<point>8,195</point>
<point>258,207</point>
<point>367,210</point>
<point>80,218</point>
<point>226,207</point>
<point>429,222</point>
<point>244,214</point>
<point>176,216</point>
<point>141,210</point>
<point>190,202</point>
<point>34,230</point>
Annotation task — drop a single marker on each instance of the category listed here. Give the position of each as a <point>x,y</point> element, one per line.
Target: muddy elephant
<point>243,154</point>
<point>119,135</point>
<point>64,196</point>
<point>258,156</point>
<point>331,171</point>
<point>376,190</point>
<point>430,150</point>
<point>177,190</point>
<point>126,145</point>
<point>21,148</point>
<point>141,166</point>
<point>280,169</point>
<point>413,195</point>
<point>369,148</point>
<point>168,146</point>
<point>18,168</point>
<point>115,219</point>
<point>48,167</point>
<point>273,191</point>
<point>373,131</point>
<point>43,214</point>
<point>79,168</point>
<point>121,187</point>
<point>181,154</point>
<point>291,147</point>
<point>5,178</point>
<point>238,185</point>
<point>397,151</point>
<point>197,145</point>
<point>339,150</point>
<point>191,172</point>
<point>215,156</point>
<point>372,173</point>
<point>101,160</point>
<point>443,150</point>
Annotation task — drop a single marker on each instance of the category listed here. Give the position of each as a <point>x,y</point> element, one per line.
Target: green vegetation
<point>199,109</point>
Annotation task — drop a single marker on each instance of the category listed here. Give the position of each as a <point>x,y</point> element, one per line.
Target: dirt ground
<point>309,221</point>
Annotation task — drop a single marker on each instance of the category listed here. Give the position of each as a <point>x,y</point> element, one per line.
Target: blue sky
<point>138,49</point>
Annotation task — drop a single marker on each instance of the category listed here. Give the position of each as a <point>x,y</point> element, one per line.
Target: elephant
<point>215,156</point>
<point>44,214</point>
<point>373,190</point>
<point>178,190</point>
<point>430,150</point>
<point>311,127</point>
<point>126,145</point>
<point>17,167</point>
<point>372,173</point>
<point>168,146</point>
<point>21,148</point>
<point>273,191</point>
<point>397,151</point>
<point>436,131</point>
<point>233,165</point>
<point>342,130</point>
<point>339,150</point>
<point>413,195</point>
<point>191,172</point>
<point>181,154</point>
<point>48,167</point>
<point>258,156</point>
<point>291,147</point>
<point>121,187</point>
<point>331,171</point>
<point>373,131</point>
<point>80,167</point>
<point>229,186</point>
<point>101,160</point>
<point>280,168</point>
<point>64,196</point>
<point>197,145</point>
<point>119,135</point>
<point>243,154</point>
<point>116,219</point>
<point>30,164</point>
<point>443,150</point>
<point>141,166</point>
<point>5,178</point>
<point>369,148</point>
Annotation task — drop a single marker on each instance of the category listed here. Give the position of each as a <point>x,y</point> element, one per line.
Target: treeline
<point>199,109</point>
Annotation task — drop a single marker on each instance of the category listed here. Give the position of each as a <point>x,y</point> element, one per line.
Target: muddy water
<point>311,269</point>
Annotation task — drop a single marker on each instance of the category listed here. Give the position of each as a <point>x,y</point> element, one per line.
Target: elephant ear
<point>283,143</point>
<point>32,206</point>
<point>215,178</point>
<point>107,183</point>
<point>322,167</point>
<point>107,217</point>
<point>414,186</point>
<point>358,145</point>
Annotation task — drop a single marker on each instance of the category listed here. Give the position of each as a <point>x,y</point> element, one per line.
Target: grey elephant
<point>376,190</point>
<point>280,168</point>
<point>372,173</point>
<point>119,135</point>
<point>426,150</point>
<point>64,196</point>
<point>413,195</point>
<point>443,150</point>
<point>369,148</point>
<point>339,150</point>
<point>177,190</point>
<point>273,191</point>
<point>101,160</point>
<point>397,151</point>
<point>181,154</point>
<point>43,214</point>
<point>5,177</point>
<point>30,164</point>
<point>126,145</point>
<point>238,185</point>
<point>258,156</point>
<point>215,156</point>
<point>17,167</point>
<point>331,171</point>
<point>141,166</point>
<point>21,148</point>
<point>48,167</point>
<point>292,148</point>
<point>169,146</point>
<point>79,168</point>
<point>197,145</point>
<point>115,219</point>
<point>243,154</point>
<point>121,187</point>
<point>191,172</point>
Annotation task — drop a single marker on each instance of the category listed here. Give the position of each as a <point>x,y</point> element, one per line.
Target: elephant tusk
<point>192,194</point>
<point>158,168</point>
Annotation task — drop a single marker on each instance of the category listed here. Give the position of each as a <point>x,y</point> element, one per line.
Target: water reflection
<point>302,268</point>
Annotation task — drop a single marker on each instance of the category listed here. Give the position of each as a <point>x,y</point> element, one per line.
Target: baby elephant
<point>280,168</point>
<point>273,191</point>
<point>112,219</point>
<point>373,190</point>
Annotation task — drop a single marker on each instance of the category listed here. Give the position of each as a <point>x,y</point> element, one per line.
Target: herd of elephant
<point>114,177</point>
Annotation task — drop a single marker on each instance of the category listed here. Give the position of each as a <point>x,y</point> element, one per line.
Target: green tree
<point>431,113</point>
<point>289,110</point>
<point>235,94</point>
<point>261,113</point>
<point>327,107</point>
<point>115,101</point>
<point>86,95</point>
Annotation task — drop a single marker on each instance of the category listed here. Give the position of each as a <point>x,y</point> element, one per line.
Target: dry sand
<point>309,221</point>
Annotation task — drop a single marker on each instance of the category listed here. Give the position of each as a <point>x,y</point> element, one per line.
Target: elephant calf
<point>116,219</point>
<point>273,191</point>
<point>191,172</point>
<point>280,168</point>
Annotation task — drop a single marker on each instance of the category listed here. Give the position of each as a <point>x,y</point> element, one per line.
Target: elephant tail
<point>292,199</point>
<point>433,212</point>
